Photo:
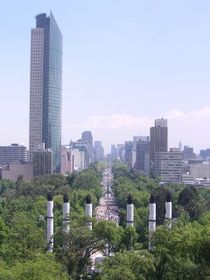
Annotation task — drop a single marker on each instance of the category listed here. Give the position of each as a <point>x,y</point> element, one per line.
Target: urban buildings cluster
<point>16,160</point>
<point>150,156</point>
<point>80,154</point>
<point>46,155</point>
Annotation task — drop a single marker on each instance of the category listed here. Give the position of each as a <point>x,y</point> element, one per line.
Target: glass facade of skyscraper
<point>51,90</point>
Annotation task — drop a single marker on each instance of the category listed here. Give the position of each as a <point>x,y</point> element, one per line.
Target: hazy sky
<point>125,63</point>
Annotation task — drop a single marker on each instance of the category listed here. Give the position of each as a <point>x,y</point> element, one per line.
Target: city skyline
<point>125,64</point>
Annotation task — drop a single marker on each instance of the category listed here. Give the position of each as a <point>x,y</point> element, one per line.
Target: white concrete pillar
<point>152,219</point>
<point>168,210</point>
<point>89,210</point>
<point>130,211</point>
<point>50,223</point>
<point>66,211</point>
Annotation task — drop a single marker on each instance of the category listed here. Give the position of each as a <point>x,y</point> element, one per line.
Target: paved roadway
<point>107,208</point>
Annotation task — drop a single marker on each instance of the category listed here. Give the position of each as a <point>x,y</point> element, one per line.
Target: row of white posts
<point>152,214</point>
<point>89,213</point>
<point>66,219</point>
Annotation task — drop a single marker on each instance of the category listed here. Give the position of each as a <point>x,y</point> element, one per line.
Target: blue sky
<point>125,63</point>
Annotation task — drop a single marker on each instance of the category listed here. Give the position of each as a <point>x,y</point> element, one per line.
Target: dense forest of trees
<point>182,252</point>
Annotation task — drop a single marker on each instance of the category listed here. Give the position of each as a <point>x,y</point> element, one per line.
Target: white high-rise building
<point>168,166</point>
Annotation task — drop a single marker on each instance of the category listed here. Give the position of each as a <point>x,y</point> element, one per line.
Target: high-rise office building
<point>158,139</point>
<point>42,163</point>
<point>121,152</point>
<point>46,87</point>
<point>142,163</point>
<point>113,153</point>
<point>80,154</point>
<point>79,159</point>
<point>168,166</point>
<point>98,151</point>
<point>88,138</point>
<point>188,153</point>
<point>128,153</point>
<point>205,154</point>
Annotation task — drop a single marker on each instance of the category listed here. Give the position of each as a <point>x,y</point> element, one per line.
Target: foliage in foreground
<point>180,253</point>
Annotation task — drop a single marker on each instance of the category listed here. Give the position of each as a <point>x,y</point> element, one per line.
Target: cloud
<point>118,121</point>
<point>203,113</point>
<point>191,127</point>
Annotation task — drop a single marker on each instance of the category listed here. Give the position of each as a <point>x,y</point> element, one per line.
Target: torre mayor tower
<point>46,87</point>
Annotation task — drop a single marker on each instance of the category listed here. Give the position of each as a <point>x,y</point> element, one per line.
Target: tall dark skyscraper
<point>46,87</point>
<point>158,139</point>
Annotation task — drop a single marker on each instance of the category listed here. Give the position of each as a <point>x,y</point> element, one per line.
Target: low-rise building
<point>200,170</point>
<point>66,160</point>
<point>14,153</point>
<point>187,179</point>
<point>13,170</point>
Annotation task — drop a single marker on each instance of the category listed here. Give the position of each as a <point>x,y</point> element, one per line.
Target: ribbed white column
<point>130,211</point>
<point>50,223</point>
<point>66,211</point>
<point>168,209</point>
<point>89,211</point>
<point>130,215</point>
<point>152,220</point>
<point>152,217</point>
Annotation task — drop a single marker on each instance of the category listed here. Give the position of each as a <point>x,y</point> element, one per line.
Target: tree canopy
<point>182,252</point>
